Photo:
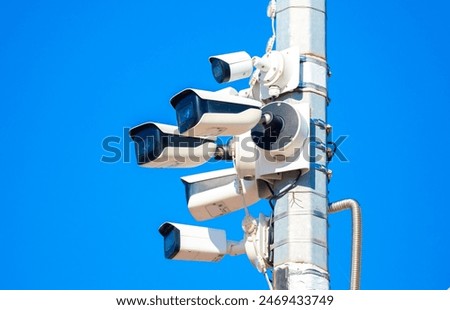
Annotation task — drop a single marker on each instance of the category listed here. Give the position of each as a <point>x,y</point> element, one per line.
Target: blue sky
<point>75,72</point>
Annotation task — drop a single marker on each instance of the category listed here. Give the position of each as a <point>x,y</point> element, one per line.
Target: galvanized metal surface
<point>302,23</point>
<point>300,223</point>
<point>301,277</point>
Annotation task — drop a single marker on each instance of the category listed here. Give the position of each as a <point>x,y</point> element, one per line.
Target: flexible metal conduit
<point>356,236</point>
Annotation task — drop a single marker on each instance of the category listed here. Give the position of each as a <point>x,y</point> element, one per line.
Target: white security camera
<point>217,193</point>
<point>187,242</point>
<point>231,67</point>
<point>282,139</point>
<point>160,145</point>
<point>283,129</point>
<point>205,113</point>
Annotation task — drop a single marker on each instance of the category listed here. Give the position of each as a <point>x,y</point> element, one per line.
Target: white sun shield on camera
<point>160,145</point>
<point>220,113</point>
<point>216,193</point>
<point>231,67</point>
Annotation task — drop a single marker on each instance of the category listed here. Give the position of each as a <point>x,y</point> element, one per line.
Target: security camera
<point>205,113</point>
<point>283,129</point>
<point>187,242</point>
<point>159,145</point>
<point>281,139</point>
<point>217,193</point>
<point>231,67</point>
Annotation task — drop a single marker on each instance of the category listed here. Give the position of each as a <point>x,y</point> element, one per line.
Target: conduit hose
<point>353,205</point>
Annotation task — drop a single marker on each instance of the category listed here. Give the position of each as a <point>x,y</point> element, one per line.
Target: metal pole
<point>300,221</point>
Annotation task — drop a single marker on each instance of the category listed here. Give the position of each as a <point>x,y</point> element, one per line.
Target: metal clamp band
<point>319,123</point>
<point>306,58</point>
<point>314,60</point>
<point>323,169</point>
<point>320,89</point>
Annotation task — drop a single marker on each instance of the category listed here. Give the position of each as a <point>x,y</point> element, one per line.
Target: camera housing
<point>206,113</point>
<point>159,145</point>
<point>231,67</point>
<point>194,243</point>
<point>258,243</point>
<point>283,130</point>
<point>216,193</point>
<point>244,154</point>
<point>277,72</point>
<point>282,148</point>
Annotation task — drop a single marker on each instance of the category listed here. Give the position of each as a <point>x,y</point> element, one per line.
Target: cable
<point>285,191</point>
<point>271,204</point>
<point>271,192</point>
<point>291,186</point>
<point>269,283</point>
<point>272,13</point>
